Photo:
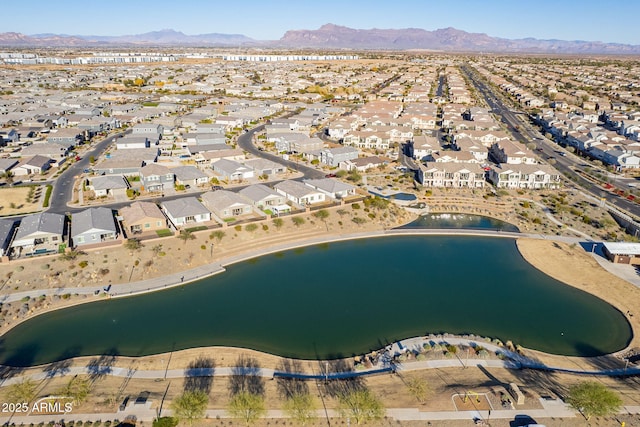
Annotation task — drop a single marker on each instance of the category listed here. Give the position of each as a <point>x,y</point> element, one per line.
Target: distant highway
<point>547,150</point>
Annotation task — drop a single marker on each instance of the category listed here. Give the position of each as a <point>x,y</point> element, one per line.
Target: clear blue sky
<point>610,21</point>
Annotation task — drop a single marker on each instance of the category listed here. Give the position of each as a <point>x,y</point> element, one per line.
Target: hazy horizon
<point>269,20</point>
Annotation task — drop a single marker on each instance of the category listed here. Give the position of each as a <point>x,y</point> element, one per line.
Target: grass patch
<point>231,219</point>
<point>165,232</point>
<point>47,196</point>
<point>198,228</point>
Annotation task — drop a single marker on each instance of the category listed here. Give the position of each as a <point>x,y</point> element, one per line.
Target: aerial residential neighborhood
<point>331,226</point>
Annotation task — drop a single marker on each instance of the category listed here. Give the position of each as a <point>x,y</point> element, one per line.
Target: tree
<point>190,405</point>
<point>156,249</point>
<point>251,227</point>
<point>247,406</point>
<point>78,388</point>
<point>133,244</point>
<point>592,398</point>
<point>218,235</point>
<point>418,389</point>
<point>278,223</point>
<point>300,408</point>
<point>8,177</point>
<point>360,406</point>
<point>297,221</point>
<point>186,235</point>
<point>24,391</point>
<point>322,215</point>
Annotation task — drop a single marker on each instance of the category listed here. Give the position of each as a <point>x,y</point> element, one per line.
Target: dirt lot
<point>442,387</point>
<point>21,200</point>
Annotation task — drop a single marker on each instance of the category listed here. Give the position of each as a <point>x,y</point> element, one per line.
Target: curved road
<point>63,185</point>
<point>245,142</point>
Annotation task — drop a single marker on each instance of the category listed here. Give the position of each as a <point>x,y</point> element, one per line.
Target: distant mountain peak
<point>332,36</point>
<point>443,39</point>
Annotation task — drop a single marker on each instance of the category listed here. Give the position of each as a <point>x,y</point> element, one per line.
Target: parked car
<point>216,187</point>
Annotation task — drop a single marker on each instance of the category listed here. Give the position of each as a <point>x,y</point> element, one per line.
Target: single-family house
<point>9,136</point>
<point>33,165</point>
<point>69,137</point>
<point>7,164</point>
<point>300,193</point>
<point>39,234</point>
<point>262,197</point>
<point>53,150</point>
<point>153,130</point>
<point>185,211</point>
<point>362,164</point>
<point>108,185</point>
<point>264,167</point>
<point>331,187</point>
<point>226,204</point>
<point>231,170</point>
<point>133,141</point>
<point>155,177</point>
<point>140,217</point>
<point>333,156</point>
<point>92,226</point>
<point>190,175</point>
<point>7,228</point>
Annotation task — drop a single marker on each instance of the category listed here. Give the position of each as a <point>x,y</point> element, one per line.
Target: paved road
<point>245,142</point>
<point>63,186</point>
<point>523,132</point>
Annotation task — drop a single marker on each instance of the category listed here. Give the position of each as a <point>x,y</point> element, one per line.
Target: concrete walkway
<point>146,412</point>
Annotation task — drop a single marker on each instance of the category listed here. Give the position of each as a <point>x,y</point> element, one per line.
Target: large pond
<point>460,221</point>
<point>336,300</point>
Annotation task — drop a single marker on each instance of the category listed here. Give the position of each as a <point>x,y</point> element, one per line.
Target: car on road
<point>563,154</point>
<point>331,175</point>
<point>216,187</point>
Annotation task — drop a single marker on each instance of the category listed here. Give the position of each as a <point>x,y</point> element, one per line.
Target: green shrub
<point>355,206</point>
<point>165,422</point>
<point>238,228</point>
<point>47,196</point>
<point>251,227</point>
<point>83,264</point>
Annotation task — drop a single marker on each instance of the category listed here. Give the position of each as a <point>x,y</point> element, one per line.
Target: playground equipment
<point>473,393</point>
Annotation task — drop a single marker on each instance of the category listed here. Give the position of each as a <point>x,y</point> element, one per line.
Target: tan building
<point>141,217</point>
<point>622,252</point>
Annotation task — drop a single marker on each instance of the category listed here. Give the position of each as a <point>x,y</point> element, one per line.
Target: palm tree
<point>186,235</point>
